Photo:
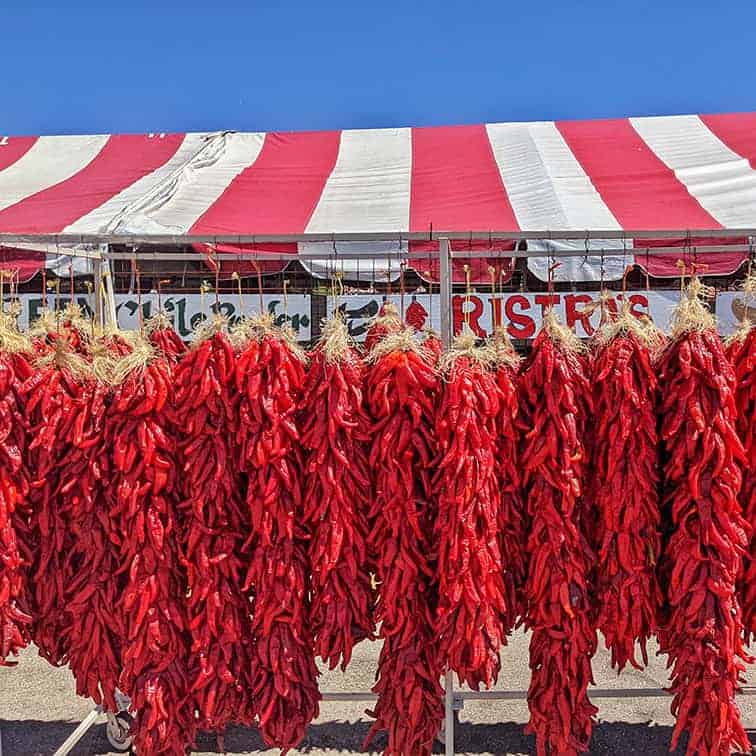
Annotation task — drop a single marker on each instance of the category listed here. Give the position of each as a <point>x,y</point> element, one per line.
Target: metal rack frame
<point>98,248</point>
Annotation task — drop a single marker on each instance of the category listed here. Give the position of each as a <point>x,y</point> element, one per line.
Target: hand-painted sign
<point>186,311</point>
<point>521,314</point>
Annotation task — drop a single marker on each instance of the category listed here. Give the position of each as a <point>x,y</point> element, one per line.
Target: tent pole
<point>449,714</point>
<point>97,276</point>
<point>110,309</point>
<point>445,291</point>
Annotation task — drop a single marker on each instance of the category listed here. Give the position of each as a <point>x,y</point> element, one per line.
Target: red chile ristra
<point>269,380</point>
<point>402,388</point>
<point>555,396</point>
<point>702,632</point>
<point>742,354</point>
<point>214,528</point>
<point>14,507</point>
<point>512,507</point>
<point>142,504</point>
<point>335,434</point>
<point>53,406</point>
<point>95,631</point>
<point>625,489</point>
<point>471,600</point>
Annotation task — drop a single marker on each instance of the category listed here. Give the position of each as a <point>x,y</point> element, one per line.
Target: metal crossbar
<point>389,236</point>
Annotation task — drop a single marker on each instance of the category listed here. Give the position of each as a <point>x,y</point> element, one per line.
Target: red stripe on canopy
<point>277,194</point>
<point>14,149</point>
<point>121,162</point>
<point>639,189</point>
<point>456,185</point>
<point>737,131</point>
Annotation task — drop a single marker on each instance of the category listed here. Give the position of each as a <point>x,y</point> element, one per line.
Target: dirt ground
<point>39,709</point>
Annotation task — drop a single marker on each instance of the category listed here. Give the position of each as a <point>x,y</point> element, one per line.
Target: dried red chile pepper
<point>401,391</point>
<point>625,489</point>
<point>269,379</point>
<point>141,501</point>
<point>555,401</point>
<point>334,436</point>
<point>742,353</point>
<point>214,527</point>
<point>471,600</point>
<point>164,338</point>
<point>15,624</point>
<point>432,345</point>
<point>702,631</point>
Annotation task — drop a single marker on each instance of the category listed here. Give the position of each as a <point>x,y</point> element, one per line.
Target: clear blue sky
<point>109,66</point>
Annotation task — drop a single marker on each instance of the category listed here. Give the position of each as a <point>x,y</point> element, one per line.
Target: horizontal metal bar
<point>397,236</point>
<point>349,696</point>
<point>409,256</point>
<point>603,252</point>
<point>270,256</point>
<point>522,695</point>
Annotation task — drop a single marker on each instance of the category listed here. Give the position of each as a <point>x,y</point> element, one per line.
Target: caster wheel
<point>117,731</point>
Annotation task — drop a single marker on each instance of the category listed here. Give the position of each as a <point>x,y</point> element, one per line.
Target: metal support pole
<point>449,714</point>
<point>97,276</point>
<point>110,309</point>
<point>445,281</point>
<point>79,732</point>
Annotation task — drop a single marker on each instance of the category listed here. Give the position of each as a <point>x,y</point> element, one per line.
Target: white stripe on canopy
<point>722,181</point>
<point>548,188</point>
<point>51,160</point>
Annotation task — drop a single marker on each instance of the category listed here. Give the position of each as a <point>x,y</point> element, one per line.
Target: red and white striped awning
<point>672,172</point>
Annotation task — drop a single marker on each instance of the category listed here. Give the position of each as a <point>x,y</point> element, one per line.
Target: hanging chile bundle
<point>401,389</point>
<point>269,380</point>
<point>512,507</point>
<point>15,514</point>
<point>555,399</point>
<point>141,498</point>
<point>702,631</point>
<point>742,353</point>
<point>54,407</point>
<point>335,435</point>
<point>625,486</point>
<point>214,527</point>
<point>471,601</point>
<point>95,631</point>
<point>387,321</point>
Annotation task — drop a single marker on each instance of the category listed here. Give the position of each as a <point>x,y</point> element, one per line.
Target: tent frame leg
<point>445,291</point>
<point>83,728</point>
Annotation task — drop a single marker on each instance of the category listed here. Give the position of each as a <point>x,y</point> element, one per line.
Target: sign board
<point>186,311</point>
<point>521,314</point>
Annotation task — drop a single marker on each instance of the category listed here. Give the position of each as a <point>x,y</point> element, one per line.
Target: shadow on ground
<point>37,738</point>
